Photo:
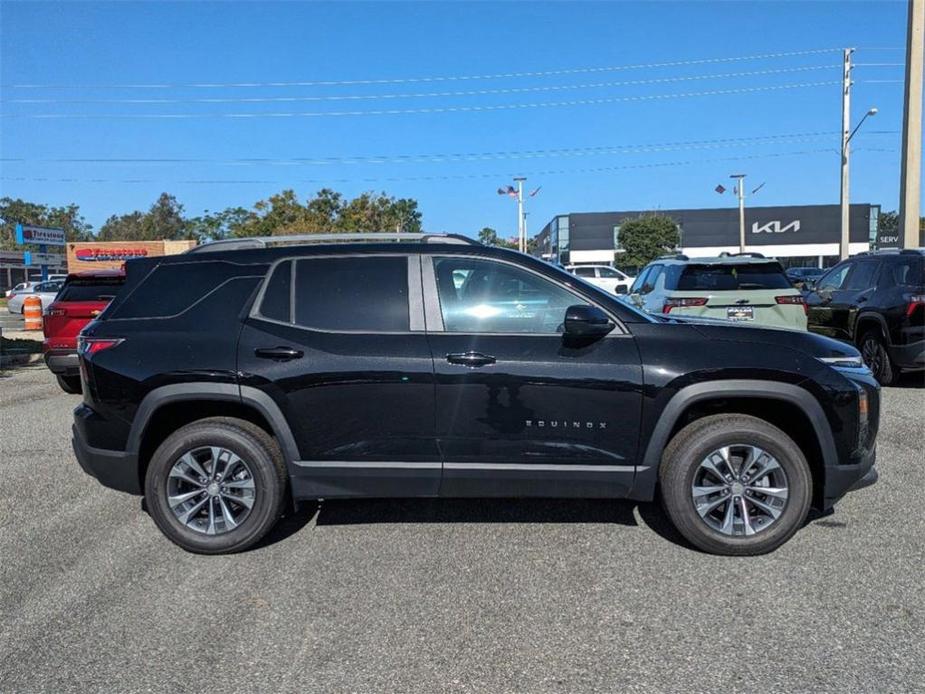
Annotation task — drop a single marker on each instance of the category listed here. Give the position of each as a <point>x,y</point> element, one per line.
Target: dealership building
<point>797,235</point>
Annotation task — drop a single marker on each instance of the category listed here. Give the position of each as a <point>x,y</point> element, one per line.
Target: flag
<point>758,188</point>
<point>512,191</point>
<point>535,191</point>
<point>720,189</point>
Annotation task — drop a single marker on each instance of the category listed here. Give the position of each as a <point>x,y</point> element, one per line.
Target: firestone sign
<point>43,236</point>
<point>108,255</point>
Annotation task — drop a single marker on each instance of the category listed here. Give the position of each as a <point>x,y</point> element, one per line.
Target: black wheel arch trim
<point>870,317</point>
<point>228,392</point>
<point>647,473</point>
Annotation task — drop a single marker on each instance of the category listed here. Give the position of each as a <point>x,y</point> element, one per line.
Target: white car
<point>46,291</point>
<point>603,276</point>
<point>21,287</point>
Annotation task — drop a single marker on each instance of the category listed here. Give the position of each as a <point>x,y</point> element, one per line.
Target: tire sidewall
<point>267,488</point>
<point>682,468</point>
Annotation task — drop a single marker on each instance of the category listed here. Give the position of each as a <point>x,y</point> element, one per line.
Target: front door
<point>520,410</point>
<point>338,343</point>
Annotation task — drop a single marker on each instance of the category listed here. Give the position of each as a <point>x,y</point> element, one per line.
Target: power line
<point>443,177</point>
<point>424,158</point>
<point>431,109</point>
<point>443,78</point>
<point>421,95</point>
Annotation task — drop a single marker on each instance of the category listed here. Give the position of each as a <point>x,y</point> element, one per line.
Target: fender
<point>871,316</point>
<point>244,395</point>
<point>647,473</point>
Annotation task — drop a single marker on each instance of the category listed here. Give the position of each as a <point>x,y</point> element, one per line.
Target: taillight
<point>915,301</point>
<point>91,345</point>
<point>793,299</point>
<point>682,302</point>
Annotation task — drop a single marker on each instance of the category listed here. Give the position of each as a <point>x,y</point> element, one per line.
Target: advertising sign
<point>30,258</point>
<point>111,255</point>
<point>43,236</point>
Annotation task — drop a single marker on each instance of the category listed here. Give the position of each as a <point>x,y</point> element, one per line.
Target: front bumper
<point>911,356</point>
<point>63,362</point>
<point>841,479</point>
<point>114,469</point>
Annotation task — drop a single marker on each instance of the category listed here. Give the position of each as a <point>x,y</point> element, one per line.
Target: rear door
<point>521,410</point>
<point>826,303</point>
<point>338,343</point>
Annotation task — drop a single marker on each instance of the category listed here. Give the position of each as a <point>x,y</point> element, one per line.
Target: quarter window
<point>353,294</point>
<point>498,298</point>
<point>277,295</point>
<point>584,271</point>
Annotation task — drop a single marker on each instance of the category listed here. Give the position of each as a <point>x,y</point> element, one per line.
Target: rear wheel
<point>216,486</point>
<point>735,485</point>
<point>69,384</point>
<point>875,355</point>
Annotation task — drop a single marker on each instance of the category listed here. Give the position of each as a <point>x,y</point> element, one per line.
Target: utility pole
<point>521,236</point>
<point>740,190</point>
<point>845,196</point>
<point>910,185</point>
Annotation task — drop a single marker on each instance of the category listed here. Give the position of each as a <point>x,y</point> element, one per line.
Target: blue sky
<point>624,150</point>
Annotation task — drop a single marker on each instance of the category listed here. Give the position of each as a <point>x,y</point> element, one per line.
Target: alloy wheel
<point>872,354</point>
<point>740,490</point>
<point>210,490</point>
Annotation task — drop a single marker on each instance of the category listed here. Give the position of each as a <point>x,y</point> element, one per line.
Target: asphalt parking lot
<point>491,596</point>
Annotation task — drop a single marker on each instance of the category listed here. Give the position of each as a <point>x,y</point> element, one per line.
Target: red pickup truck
<point>82,298</point>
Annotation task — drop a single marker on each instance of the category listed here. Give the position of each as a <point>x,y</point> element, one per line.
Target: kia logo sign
<point>775,227</point>
<point>92,255</point>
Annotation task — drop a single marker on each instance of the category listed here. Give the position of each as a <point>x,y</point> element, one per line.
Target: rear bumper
<point>911,356</point>
<point>63,362</point>
<point>114,469</point>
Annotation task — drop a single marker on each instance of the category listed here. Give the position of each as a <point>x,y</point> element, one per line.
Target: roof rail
<point>673,256</point>
<point>743,254</point>
<point>249,242</point>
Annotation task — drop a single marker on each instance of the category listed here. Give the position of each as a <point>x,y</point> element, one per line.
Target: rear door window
<point>91,289</point>
<point>584,271</point>
<point>733,277</point>
<point>353,294</point>
<point>862,277</point>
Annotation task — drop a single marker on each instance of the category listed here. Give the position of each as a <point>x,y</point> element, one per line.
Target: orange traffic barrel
<point>32,311</point>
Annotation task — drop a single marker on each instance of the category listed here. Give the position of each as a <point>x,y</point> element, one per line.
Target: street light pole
<point>521,241</point>
<point>844,196</point>
<point>740,190</point>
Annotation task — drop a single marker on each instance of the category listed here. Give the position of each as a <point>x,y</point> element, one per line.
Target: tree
<point>489,237</point>
<point>18,211</point>
<point>163,220</point>
<point>645,238</point>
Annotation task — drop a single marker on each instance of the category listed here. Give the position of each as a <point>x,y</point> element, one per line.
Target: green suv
<point>744,287</point>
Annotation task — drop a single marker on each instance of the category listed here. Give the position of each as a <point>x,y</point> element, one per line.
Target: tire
<point>875,355</point>
<point>682,464</point>
<point>261,465</point>
<point>70,384</point>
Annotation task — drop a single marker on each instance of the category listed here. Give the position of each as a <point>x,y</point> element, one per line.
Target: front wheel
<point>216,486</point>
<point>735,485</point>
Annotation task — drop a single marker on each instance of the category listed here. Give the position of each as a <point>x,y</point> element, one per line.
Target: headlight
<point>843,362</point>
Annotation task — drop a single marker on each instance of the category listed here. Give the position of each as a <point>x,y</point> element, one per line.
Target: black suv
<point>224,383</point>
<point>877,302</point>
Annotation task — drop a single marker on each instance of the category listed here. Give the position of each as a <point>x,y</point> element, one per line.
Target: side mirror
<point>621,289</point>
<point>808,285</point>
<point>582,320</point>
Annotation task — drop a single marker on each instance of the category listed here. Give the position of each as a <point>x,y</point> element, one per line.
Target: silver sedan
<point>46,291</point>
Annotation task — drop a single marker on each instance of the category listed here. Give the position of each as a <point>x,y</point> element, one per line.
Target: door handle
<point>473,359</point>
<point>278,353</point>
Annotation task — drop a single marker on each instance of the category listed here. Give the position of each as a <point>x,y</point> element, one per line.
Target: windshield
<point>732,277</point>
